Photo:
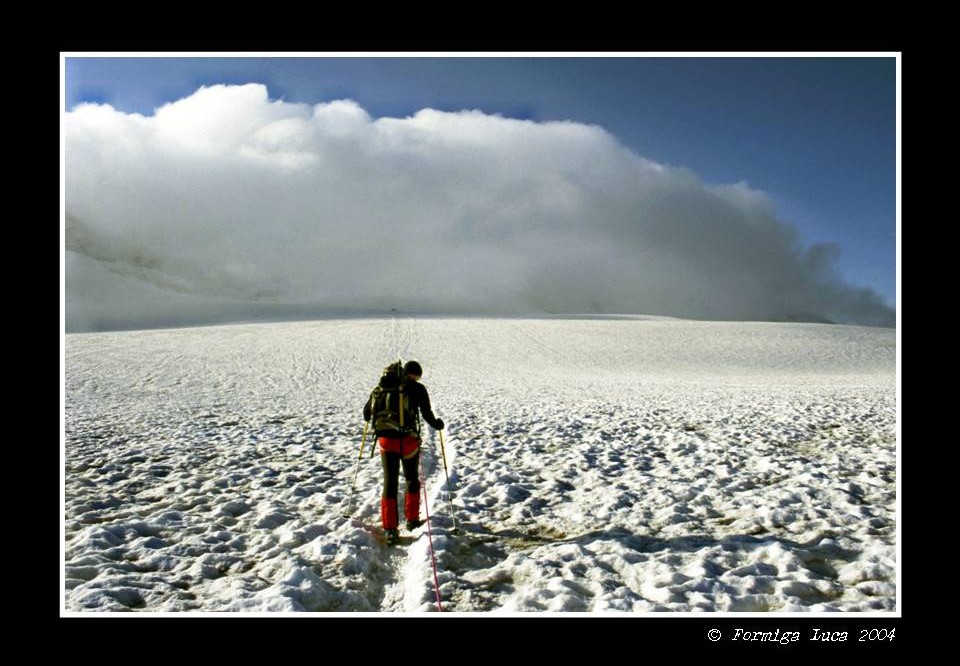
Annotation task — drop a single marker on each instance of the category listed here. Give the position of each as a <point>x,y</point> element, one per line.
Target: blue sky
<point>818,135</point>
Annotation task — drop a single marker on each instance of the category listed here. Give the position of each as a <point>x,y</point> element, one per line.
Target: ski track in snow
<point>597,465</point>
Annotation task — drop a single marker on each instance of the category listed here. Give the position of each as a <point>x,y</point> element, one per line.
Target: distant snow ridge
<point>623,465</point>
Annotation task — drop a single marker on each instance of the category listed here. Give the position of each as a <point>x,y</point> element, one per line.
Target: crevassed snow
<point>627,464</point>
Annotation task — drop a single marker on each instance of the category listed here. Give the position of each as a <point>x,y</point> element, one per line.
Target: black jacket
<point>419,401</point>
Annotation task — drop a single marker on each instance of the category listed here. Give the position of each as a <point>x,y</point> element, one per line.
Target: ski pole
<point>443,452</point>
<point>363,441</point>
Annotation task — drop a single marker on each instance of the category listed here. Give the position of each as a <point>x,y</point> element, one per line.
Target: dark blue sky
<point>816,134</point>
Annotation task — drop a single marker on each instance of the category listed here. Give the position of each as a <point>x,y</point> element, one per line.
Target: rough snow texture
<point>598,465</point>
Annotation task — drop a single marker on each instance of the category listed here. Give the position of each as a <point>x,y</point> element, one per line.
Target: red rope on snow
<point>433,558</point>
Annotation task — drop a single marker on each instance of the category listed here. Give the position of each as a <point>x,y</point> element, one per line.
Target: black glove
<point>439,425</point>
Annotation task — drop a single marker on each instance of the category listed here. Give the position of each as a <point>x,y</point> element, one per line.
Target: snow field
<point>620,465</point>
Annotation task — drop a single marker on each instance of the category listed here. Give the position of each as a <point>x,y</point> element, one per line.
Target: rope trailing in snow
<point>433,558</point>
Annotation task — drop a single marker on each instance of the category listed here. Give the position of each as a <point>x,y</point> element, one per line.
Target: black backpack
<point>391,408</point>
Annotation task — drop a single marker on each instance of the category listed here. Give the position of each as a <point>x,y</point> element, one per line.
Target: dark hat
<point>413,368</point>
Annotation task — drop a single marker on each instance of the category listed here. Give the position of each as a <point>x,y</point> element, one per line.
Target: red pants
<point>407,446</point>
<point>395,451</point>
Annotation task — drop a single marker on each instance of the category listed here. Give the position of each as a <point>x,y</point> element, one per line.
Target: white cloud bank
<point>227,201</point>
